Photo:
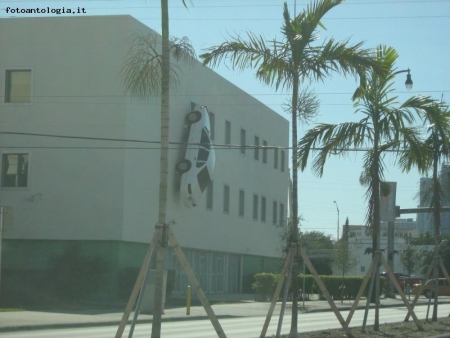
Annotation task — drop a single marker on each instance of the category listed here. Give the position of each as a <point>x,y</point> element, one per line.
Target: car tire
<point>193,117</point>
<point>428,294</point>
<point>183,166</point>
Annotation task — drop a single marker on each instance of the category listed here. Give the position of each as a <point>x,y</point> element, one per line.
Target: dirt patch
<point>394,330</point>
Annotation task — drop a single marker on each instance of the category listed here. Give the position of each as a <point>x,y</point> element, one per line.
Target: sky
<point>418,29</point>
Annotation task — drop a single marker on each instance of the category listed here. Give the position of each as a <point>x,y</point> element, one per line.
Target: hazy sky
<point>418,29</point>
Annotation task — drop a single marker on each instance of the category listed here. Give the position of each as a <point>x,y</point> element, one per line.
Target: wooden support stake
<point>137,287</point>
<point>416,298</point>
<point>400,292</point>
<point>325,291</point>
<point>195,285</point>
<point>276,294</point>
<point>360,292</point>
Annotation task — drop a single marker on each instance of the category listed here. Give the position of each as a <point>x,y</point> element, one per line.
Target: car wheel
<point>428,294</point>
<point>194,117</point>
<point>183,166</point>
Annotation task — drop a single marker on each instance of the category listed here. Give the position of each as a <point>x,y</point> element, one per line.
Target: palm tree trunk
<point>376,221</point>
<point>161,226</point>
<point>294,331</point>
<point>437,225</point>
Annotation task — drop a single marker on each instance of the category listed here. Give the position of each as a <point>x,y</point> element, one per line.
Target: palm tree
<point>147,73</point>
<point>438,141</point>
<point>383,128</point>
<point>286,64</point>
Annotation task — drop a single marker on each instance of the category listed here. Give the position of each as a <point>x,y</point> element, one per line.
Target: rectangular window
<point>263,209</point>
<point>227,132</point>
<point>274,212</point>
<point>264,152</point>
<point>243,143</point>
<point>255,207</point>
<point>281,213</point>
<point>18,86</point>
<point>257,148</point>
<point>241,203</point>
<point>275,158</point>
<point>283,159</point>
<point>209,196</point>
<point>14,170</point>
<point>212,123</point>
<point>226,199</point>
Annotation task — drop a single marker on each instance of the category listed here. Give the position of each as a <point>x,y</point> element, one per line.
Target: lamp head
<point>408,82</point>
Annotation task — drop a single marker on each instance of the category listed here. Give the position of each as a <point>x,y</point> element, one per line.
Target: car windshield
<point>203,178</point>
<point>203,151</point>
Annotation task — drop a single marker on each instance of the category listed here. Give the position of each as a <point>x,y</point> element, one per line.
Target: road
<point>234,328</point>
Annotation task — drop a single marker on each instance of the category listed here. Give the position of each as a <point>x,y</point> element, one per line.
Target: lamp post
<point>337,208</point>
<point>408,82</point>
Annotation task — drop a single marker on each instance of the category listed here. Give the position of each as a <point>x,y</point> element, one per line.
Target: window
<point>255,207</point>
<point>263,209</point>
<point>363,269</point>
<point>274,212</point>
<point>226,199</point>
<point>241,203</point>
<point>256,148</point>
<point>275,158</point>
<point>15,170</point>
<point>281,212</point>
<point>264,152</point>
<point>283,160</point>
<point>209,196</point>
<point>227,132</point>
<point>212,123</point>
<point>243,141</point>
<point>18,86</point>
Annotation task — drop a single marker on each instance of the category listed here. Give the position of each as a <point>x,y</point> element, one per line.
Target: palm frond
<point>141,71</point>
<point>340,57</point>
<point>331,139</point>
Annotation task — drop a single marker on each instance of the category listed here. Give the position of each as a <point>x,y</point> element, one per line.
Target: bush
<point>74,276</point>
<point>338,288</point>
<point>265,284</point>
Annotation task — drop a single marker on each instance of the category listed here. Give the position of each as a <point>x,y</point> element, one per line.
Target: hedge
<point>265,284</point>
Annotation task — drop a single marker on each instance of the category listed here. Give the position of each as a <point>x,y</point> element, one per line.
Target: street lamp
<point>337,208</point>
<point>408,82</point>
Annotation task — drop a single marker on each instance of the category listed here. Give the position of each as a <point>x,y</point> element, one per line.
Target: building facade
<point>80,159</point>
<point>425,220</point>
<point>360,240</point>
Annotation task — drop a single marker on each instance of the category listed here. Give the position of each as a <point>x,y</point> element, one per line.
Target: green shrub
<point>75,276</point>
<point>338,287</point>
<point>265,284</point>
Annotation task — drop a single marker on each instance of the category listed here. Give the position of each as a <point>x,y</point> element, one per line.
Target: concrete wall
<point>79,193</point>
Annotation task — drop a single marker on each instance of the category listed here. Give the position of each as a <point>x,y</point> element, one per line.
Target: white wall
<point>112,193</point>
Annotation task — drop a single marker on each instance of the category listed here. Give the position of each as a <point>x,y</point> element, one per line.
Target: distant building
<point>425,220</point>
<point>61,76</point>
<point>360,240</point>
<point>445,181</point>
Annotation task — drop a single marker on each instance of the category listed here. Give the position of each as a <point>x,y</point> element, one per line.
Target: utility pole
<point>337,208</point>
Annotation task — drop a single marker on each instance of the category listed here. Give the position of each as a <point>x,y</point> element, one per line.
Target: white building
<point>61,76</point>
<point>359,241</point>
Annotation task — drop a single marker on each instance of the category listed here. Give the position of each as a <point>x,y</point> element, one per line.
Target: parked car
<point>428,288</point>
<point>199,158</point>
<point>406,282</point>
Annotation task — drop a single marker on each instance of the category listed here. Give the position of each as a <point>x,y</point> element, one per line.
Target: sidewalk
<point>30,320</point>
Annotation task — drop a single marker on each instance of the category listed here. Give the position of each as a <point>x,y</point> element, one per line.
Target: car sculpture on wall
<point>199,159</point>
